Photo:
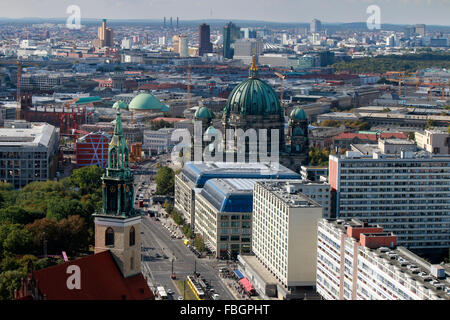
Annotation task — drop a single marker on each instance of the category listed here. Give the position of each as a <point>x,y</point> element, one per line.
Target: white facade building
<point>356,261</point>
<point>285,234</point>
<point>406,193</point>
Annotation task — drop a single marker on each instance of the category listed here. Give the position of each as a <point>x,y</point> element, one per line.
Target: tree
<point>10,281</point>
<point>45,229</point>
<point>165,179</point>
<point>15,214</point>
<point>87,179</point>
<point>74,234</point>
<point>18,241</point>
<point>198,243</point>
<point>63,208</point>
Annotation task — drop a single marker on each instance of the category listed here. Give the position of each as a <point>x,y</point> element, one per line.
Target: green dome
<point>211,130</point>
<point>298,132</point>
<point>253,97</point>
<point>146,101</point>
<point>203,113</point>
<point>120,105</point>
<point>298,114</point>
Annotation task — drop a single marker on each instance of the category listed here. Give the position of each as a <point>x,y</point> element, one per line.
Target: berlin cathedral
<point>253,104</point>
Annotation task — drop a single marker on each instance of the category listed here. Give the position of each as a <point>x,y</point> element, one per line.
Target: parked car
<point>169,291</point>
<point>180,298</point>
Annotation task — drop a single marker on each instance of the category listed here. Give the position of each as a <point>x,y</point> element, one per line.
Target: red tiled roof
<point>396,135</point>
<point>101,279</point>
<point>351,135</point>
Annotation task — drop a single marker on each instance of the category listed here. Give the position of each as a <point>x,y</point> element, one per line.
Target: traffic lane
<point>186,263</point>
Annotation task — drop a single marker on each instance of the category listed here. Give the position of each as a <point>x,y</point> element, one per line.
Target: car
<point>169,291</point>
<point>158,255</point>
<point>165,257</point>
<point>215,296</point>
<point>173,276</point>
<point>180,298</point>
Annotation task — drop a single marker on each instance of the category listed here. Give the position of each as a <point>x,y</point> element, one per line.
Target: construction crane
<point>19,96</point>
<point>282,77</point>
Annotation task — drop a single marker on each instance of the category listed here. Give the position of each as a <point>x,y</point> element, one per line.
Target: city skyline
<point>412,11</point>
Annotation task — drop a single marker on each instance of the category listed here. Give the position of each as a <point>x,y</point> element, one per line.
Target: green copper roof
<point>298,114</point>
<point>203,113</point>
<point>298,132</point>
<point>86,100</point>
<point>146,101</point>
<point>253,97</point>
<point>120,105</point>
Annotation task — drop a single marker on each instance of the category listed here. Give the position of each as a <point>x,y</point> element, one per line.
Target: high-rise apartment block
<point>284,235</point>
<point>204,40</point>
<point>357,261</point>
<point>406,193</point>
<point>180,45</point>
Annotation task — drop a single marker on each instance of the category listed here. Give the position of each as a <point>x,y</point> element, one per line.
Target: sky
<point>434,12</point>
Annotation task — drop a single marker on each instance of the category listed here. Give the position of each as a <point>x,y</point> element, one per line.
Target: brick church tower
<point>118,224</point>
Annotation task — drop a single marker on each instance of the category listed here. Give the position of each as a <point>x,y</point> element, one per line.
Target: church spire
<point>253,73</point>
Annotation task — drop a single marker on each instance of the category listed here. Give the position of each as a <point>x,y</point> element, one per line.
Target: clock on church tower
<point>118,224</point>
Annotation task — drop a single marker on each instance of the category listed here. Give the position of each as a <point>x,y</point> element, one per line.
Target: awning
<point>247,285</point>
<point>238,274</point>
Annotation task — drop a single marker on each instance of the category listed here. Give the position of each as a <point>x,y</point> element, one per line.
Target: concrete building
<point>105,36</point>
<point>406,193</point>
<point>315,26</point>
<point>433,141</point>
<point>28,154</point>
<point>92,149</point>
<point>356,261</point>
<point>158,141</point>
<point>244,49</point>
<point>284,237</point>
<point>314,173</point>
<point>204,39</point>
<point>223,211</point>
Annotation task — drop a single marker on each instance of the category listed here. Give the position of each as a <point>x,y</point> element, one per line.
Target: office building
<point>284,237</point>
<point>406,193</point>
<point>421,29</point>
<point>204,40</point>
<point>192,178</point>
<point>314,173</point>
<point>105,36</point>
<point>231,33</point>
<point>180,45</point>
<point>315,26</point>
<point>248,33</point>
<point>158,141</point>
<point>244,49</point>
<point>28,153</point>
<point>357,261</point>
<point>92,149</point>
<point>223,211</point>
<point>434,141</point>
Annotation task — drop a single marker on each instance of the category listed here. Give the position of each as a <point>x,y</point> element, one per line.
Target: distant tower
<point>315,26</point>
<point>204,37</point>
<point>164,22</point>
<point>171,22</point>
<point>118,224</point>
<point>421,29</point>
<point>177,22</point>
<point>105,36</point>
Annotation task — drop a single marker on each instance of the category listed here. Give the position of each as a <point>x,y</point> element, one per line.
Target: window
<point>109,237</point>
<point>132,236</point>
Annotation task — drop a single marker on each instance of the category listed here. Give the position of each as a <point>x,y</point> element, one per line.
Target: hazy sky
<point>392,11</point>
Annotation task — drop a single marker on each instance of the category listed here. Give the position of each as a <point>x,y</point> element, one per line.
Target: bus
<point>199,294</point>
<point>162,293</point>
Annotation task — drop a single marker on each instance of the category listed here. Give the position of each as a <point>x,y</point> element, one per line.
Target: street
<point>159,250</point>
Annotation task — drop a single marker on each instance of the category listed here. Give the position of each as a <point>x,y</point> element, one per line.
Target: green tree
<point>165,179</point>
<point>18,241</point>
<point>63,208</point>
<point>87,178</point>
<point>15,214</point>
<point>10,281</point>
<point>199,243</point>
